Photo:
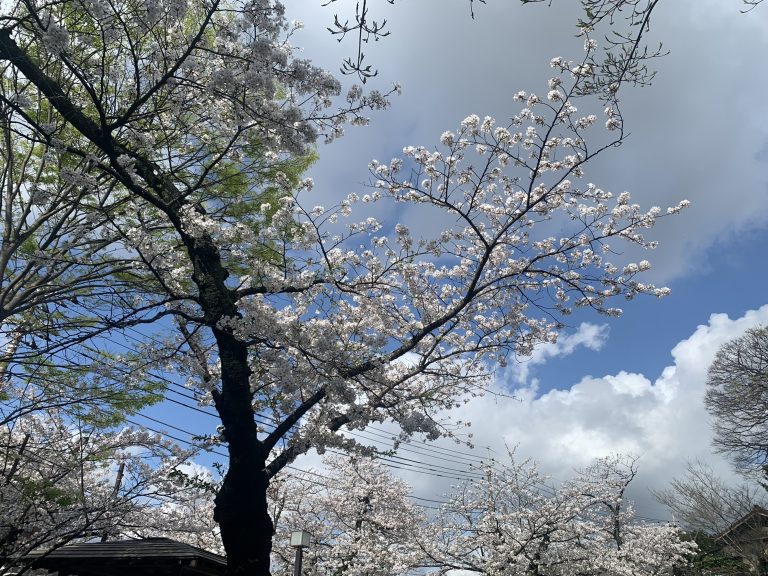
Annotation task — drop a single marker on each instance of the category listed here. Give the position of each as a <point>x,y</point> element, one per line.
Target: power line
<point>372,434</point>
<point>371,430</point>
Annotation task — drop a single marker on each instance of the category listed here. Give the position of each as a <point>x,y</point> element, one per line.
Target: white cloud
<point>661,420</point>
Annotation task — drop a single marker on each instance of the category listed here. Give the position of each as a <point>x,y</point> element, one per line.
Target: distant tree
<point>62,481</point>
<point>706,506</point>
<point>514,521</point>
<point>737,398</point>
<point>359,514</point>
<point>701,501</point>
<point>712,557</point>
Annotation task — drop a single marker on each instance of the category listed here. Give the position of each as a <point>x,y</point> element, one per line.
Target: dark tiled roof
<point>153,556</point>
<point>143,548</point>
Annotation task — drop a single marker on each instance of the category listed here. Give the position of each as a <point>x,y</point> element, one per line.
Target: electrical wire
<point>370,434</point>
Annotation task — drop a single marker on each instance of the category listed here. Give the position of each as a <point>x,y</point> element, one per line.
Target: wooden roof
<point>149,556</point>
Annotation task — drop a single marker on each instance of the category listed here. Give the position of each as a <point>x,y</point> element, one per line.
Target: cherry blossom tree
<point>359,514</point>
<point>60,481</point>
<point>296,321</point>
<point>514,521</point>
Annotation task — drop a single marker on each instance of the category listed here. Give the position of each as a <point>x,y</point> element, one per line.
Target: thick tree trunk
<point>243,517</point>
<point>241,504</point>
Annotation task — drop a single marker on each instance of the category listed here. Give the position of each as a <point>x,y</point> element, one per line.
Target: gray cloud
<point>696,133</point>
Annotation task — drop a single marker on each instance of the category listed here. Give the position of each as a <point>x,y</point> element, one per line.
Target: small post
<point>299,540</point>
<point>297,561</point>
<point>115,492</point>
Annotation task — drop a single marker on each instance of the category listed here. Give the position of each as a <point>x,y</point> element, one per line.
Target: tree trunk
<point>241,504</point>
<point>242,514</point>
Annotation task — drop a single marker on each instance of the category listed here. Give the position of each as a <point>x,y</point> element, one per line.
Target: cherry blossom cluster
<point>63,481</point>
<point>398,326</point>
<point>359,514</point>
<point>515,521</point>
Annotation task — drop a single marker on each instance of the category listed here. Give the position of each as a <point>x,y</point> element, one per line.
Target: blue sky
<point>730,282</point>
<point>699,132</point>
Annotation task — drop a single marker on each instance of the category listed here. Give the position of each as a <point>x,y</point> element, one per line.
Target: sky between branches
<point>700,132</point>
